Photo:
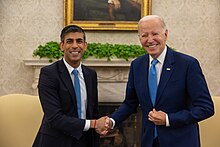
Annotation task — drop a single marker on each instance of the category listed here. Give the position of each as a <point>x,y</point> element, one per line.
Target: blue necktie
<point>152,84</point>
<point>77,91</point>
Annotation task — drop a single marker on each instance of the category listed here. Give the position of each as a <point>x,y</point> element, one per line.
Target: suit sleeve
<point>200,104</point>
<point>130,103</point>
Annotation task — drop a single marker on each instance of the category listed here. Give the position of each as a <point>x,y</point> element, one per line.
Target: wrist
<point>93,123</point>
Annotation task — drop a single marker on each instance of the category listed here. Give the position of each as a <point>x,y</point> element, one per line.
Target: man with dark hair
<point>69,97</point>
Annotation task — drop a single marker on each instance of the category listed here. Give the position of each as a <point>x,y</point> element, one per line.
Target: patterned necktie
<point>152,84</point>
<point>77,91</point>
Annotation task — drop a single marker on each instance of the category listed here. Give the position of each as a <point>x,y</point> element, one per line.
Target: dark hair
<point>71,29</point>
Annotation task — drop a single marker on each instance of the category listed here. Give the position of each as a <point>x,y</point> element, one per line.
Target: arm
<point>200,105</point>
<point>130,104</point>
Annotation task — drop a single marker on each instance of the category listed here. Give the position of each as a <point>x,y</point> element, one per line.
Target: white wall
<point>194,28</point>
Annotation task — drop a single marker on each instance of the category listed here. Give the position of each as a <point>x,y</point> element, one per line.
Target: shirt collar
<point>161,58</point>
<point>70,68</point>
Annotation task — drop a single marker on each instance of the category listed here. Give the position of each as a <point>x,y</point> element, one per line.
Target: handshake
<point>101,125</point>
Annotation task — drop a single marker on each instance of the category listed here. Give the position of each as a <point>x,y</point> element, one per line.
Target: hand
<point>157,117</point>
<point>103,125</point>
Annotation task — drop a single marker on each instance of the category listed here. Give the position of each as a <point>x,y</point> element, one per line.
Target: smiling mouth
<point>151,46</point>
<point>75,52</point>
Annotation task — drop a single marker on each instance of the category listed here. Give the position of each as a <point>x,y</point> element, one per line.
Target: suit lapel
<point>146,72</point>
<point>67,81</point>
<point>88,82</point>
<point>140,71</point>
<point>167,71</point>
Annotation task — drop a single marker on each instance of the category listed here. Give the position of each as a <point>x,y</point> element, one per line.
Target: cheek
<point>83,48</point>
<point>163,38</point>
<point>159,40</point>
<point>142,41</point>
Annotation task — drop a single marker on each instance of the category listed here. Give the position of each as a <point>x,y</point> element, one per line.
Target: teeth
<point>74,52</point>
<point>151,46</point>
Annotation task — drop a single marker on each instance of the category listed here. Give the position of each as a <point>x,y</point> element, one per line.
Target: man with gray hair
<point>170,89</point>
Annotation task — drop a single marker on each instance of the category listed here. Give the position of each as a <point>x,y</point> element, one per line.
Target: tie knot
<point>154,62</point>
<point>75,72</point>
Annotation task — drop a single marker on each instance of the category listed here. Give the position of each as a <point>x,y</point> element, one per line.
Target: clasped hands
<point>102,125</point>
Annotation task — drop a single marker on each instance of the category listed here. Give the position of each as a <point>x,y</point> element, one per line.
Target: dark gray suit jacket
<point>61,126</point>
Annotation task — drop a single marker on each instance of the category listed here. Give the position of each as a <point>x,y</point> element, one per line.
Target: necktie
<point>77,91</point>
<point>152,81</point>
<point>152,84</point>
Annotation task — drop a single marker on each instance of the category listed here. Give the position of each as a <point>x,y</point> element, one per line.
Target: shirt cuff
<point>167,121</point>
<point>113,123</point>
<point>87,125</point>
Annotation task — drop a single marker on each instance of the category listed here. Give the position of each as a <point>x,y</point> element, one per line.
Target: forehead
<point>150,25</point>
<point>74,35</point>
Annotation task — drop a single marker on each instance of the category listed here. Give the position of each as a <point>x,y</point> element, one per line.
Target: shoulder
<point>53,67</point>
<point>182,57</point>
<point>140,59</point>
<point>88,70</point>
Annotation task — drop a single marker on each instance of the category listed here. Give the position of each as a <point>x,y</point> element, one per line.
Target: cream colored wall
<point>194,28</point>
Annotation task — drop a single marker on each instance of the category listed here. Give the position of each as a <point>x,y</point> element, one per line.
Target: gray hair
<point>148,17</point>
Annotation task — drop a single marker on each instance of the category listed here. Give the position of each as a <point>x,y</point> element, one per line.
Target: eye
<point>154,34</point>
<point>69,41</point>
<point>79,41</point>
<point>143,35</point>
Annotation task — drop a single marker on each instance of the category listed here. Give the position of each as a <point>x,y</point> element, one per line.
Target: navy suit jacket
<point>182,93</point>
<point>61,126</point>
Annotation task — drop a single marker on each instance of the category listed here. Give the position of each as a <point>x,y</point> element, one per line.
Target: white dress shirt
<point>159,67</point>
<point>83,91</point>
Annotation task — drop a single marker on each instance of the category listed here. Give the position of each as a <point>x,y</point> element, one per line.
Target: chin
<point>151,52</point>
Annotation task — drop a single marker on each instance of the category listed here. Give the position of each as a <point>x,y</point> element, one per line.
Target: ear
<point>166,33</point>
<point>85,45</point>
<point>61,46</point>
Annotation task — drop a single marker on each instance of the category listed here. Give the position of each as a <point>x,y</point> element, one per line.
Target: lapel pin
<point>168,69</point>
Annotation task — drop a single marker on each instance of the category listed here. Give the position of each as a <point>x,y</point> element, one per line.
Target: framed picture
<point>105,14</point>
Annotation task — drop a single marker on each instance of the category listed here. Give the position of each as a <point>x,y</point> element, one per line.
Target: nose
<point>150,39</point>
<point>74,44</point>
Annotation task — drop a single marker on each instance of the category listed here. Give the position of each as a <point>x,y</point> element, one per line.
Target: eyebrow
<point>77,39</point>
